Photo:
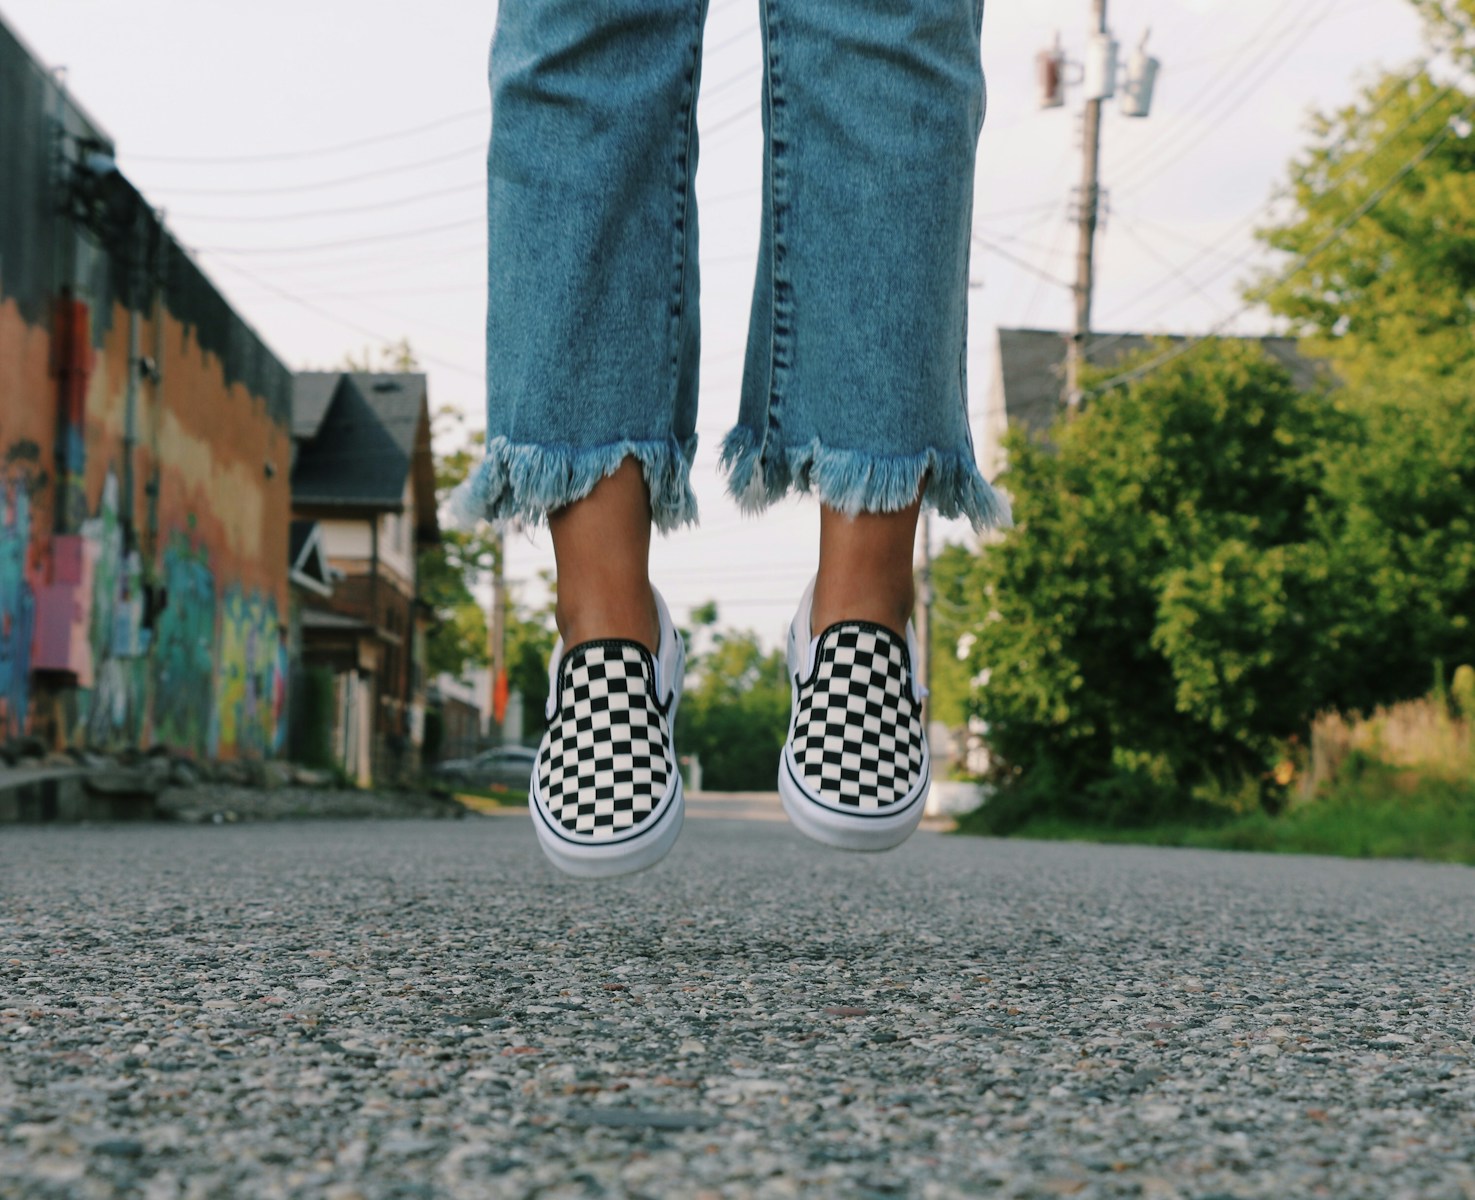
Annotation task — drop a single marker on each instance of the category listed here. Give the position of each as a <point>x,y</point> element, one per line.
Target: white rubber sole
<point>846,831</point>
<point>596,861</point>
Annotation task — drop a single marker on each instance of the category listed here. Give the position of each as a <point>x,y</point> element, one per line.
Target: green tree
<point>449,570</point>
<point>1388,292</point>
<point>531,635</point>
<point>954,617</point>
<point>1148,626</point>
<point>734,711</point>
<point>1399,528</point>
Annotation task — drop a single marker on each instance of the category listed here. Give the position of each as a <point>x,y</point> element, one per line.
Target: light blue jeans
<point>855,379</point>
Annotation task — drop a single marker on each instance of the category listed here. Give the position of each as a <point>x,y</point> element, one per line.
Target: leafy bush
<point>1203,561</point>
<point>734,713</point>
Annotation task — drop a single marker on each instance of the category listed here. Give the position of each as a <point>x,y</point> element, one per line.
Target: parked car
<point>499,767</point>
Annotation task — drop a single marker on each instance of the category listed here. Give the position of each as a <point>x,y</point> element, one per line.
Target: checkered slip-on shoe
<point>606,793</point>
<point>855,769</point>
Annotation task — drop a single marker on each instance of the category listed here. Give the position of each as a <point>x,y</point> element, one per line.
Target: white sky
<point>190,87</point>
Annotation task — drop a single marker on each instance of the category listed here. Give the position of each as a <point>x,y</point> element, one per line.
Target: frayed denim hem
<point>853,481</point>
<point>524,481</point>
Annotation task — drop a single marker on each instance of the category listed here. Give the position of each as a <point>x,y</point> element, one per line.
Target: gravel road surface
<point>425,1009</point>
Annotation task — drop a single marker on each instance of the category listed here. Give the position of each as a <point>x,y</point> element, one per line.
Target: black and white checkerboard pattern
<point>604,762</point>
<point>858,737</point>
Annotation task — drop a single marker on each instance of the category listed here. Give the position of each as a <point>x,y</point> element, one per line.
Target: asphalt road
<point>408,1009</point>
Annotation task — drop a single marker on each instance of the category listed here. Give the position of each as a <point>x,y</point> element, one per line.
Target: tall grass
<point>1419,736</point>
<point>1397,783</point>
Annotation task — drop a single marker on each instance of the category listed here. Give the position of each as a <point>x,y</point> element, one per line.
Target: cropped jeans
<point>855,381</point>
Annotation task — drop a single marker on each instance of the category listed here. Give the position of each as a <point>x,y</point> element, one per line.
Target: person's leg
<point>602,547</point>
<point>592,343</point>
<point>865,568</point>
<point>854,386</point>
<point>592,313</point>
<point>855,382</point>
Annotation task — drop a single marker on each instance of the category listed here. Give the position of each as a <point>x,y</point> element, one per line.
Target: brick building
<point>145,440</point>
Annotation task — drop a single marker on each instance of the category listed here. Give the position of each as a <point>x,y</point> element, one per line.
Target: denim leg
<point>592,322</point>
<point>854,385</point>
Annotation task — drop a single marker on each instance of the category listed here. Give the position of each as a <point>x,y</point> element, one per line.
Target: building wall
<point>389,607</point>
<point>349,546</point>
<point>347,541</point>
<point>143,587</point>
<point>397,539</point>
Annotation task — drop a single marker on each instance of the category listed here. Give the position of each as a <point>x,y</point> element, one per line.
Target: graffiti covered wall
<point>145,458</point>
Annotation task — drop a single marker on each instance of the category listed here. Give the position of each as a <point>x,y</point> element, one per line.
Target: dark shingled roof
<point>366,438</point>
<point>1031,367</point>
<point>311,393</point>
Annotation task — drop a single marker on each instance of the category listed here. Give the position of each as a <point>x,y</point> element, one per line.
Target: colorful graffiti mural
<point>184,649</point>
<point>19,479</point>
<point>251,675</point>
<point>114,709</point>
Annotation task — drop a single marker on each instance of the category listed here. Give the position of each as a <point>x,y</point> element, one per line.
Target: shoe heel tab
<point>669,662</point>
<point>555,672</point>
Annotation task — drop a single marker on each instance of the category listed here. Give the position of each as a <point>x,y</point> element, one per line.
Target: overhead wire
<point>1303,261</point>
<point>1187,113</point>
<point>197,160</point>
<point>461,155</point>
<point>368,239</point>
<point>329,315</point>
<point>1022,263</point>
<point>1246,222</point>
<point>342,211</point>
<point>1039,287</point>
<point>1163,153</point>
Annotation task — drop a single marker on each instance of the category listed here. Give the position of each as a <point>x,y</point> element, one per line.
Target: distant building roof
<point>1029,374</point>
<point>1032,365</point>
<point>312,392</point>
<point>362,437</point>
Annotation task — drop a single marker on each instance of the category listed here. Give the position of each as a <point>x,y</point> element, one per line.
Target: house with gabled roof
<point>1029,377</point>
<point>363,504</point>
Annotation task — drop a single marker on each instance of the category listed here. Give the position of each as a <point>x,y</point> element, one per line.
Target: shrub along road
<point>408,1009</point>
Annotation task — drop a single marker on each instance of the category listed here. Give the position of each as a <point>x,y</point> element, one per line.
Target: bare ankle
<point>865,568</point>
<point>602,544</point>
<point>631,614</point>
<point>884,602</point>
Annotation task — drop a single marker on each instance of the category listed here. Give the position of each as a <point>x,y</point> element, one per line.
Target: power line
<point>746,31</point>
<point>1304,260</point>
<point>1187,112</point>
<point>320,152</point>
<point>1021,263</point>
<point>1162,260</point>
<point>1039,288</point>
<point>334,317</point>
<point>1234,231</point>
<point>746,73</point>
<point>438,290</point>
<point>476,148</point>
<point>732,118</point>
<point>356,264</point>
<point>346,210</point>
<point>1166,152</point>
<point>363,240</point>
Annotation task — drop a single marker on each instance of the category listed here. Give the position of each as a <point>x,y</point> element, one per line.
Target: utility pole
<point>497,630</point>
<point>1086,235</point>
<point>1098,78</point>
